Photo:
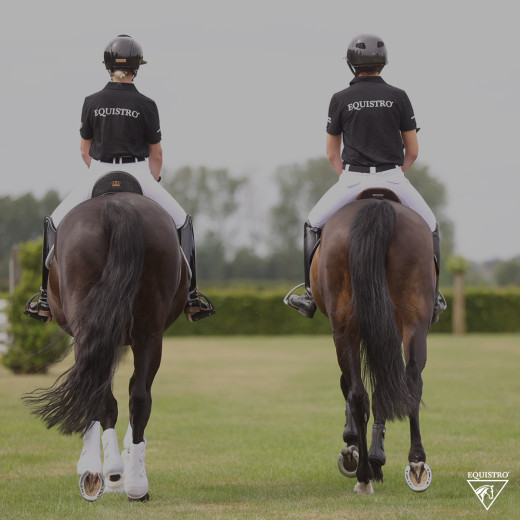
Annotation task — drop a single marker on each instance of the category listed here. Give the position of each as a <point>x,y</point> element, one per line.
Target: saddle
<point>116,182</point>
<point>378,193</point>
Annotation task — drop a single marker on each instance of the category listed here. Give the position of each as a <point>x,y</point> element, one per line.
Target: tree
<point>21,219</point>
<point>33,346</point>
<point>211,197</point>
<point>508,273</point>
<point>435,195</point>
<point>299,188</point>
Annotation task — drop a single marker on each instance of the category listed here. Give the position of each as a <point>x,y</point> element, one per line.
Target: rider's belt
<point>125,159</point>
<point>370,169</point>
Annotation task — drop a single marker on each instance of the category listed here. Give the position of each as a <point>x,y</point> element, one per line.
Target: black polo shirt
<point>371,114</point>
<point>120,121</point>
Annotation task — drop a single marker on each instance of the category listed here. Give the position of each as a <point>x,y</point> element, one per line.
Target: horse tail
<point>103,324</point>
<point>373,316</point>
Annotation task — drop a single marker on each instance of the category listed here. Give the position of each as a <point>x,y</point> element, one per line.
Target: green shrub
<point>34,346</point>
<point>254,312</point>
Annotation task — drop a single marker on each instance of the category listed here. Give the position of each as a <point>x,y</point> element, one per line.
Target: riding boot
<point>40,309</point>
<point>198,305</point>
<point>440,301</point>
<point>304,303</point>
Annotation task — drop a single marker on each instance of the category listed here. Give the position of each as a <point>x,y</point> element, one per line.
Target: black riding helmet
<point>366,52</point>
<point>123,53</point>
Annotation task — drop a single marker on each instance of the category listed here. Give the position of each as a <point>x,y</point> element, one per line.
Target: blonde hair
<point>121,74</point>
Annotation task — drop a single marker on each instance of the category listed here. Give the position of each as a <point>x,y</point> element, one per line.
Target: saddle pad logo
<point>487,489</point>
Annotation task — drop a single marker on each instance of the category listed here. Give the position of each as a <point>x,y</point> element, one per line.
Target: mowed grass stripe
<point>250,427</point>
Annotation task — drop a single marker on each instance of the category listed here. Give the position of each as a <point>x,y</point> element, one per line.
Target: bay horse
<point>117,278</point>
<point>373,276</point>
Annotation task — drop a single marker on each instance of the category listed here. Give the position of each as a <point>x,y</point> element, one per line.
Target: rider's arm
<point>85,149</point>
<point>334,152</point>
<point>411,148</point>
<point>155,159</point>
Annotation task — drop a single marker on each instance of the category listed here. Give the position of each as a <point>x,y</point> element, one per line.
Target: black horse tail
<point>373,319</point>
<point>103,325</point>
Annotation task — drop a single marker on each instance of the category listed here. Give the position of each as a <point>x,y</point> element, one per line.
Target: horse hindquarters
<point>373,314</point>
<point>101,324</point>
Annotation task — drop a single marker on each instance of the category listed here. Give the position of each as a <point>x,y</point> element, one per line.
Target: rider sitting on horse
<point>120,130</point>
<point>376,120</point>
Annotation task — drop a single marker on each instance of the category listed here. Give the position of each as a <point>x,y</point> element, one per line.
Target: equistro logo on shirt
<point>103,112</point>
<point>375,103</point>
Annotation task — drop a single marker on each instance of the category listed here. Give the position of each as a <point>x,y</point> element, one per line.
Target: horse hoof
<point>418,476</point>
<point>364,489</point>
<point>348,461</point>
<point>91,486</point>
<point>115,483</point>
<point>144,498</point>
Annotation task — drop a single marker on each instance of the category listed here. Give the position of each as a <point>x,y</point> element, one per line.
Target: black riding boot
<point>198,305</point>
<point>40,309</point>
<point>304,304</point>
<point>440,302</point>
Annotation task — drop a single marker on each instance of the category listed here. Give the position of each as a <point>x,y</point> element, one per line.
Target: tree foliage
<point>21,219</point>
<point>34,346</point>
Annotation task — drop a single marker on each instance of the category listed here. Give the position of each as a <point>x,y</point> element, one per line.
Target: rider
<point>120,130</point>
<point>376,121</point>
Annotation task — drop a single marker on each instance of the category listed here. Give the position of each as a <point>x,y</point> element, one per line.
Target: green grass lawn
<point>250,428</point>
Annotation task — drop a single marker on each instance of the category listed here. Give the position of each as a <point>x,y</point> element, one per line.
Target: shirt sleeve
<point>86,131</point>
<point>334,126</point>
<point>153,125</point>
<point>407,116</point>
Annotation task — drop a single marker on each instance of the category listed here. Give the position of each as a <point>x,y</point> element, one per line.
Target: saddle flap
<point>378,193</point>
<point>116,182</point>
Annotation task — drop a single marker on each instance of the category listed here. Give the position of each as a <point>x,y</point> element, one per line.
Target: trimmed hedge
<point>257,313</point>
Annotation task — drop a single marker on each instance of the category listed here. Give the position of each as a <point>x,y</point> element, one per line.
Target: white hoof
<point>136,481</point>
<point>348,461</point>
<point>113,463</point>
<point>418,476</point>
<point>91,486</point>
<point>364,489</point>
<point>90,458</point>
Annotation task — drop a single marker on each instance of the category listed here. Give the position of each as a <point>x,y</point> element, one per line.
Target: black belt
<point>370,169</point>
<point>122,160</point>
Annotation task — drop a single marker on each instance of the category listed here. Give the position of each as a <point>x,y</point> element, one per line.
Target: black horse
<point>118,278</point>
<point>373,276</point>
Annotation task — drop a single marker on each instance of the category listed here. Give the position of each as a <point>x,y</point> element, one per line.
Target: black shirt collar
<point>114,85</point>
<point>368,79</point>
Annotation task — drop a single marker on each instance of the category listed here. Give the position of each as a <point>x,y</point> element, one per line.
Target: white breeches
<point>140,170</point>
<point>351,184</point>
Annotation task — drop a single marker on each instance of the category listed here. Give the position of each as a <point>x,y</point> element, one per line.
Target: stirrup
<point>195,314</point>
<point>43,316</point>
<point>289,294</point>
<point>439,307</point>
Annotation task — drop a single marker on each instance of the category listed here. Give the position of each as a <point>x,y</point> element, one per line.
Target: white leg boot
<point>136,481</point>
<point>113,466</point>
<point>90,458</point>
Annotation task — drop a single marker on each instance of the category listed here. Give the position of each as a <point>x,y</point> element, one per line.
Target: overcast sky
<point>246,86</point>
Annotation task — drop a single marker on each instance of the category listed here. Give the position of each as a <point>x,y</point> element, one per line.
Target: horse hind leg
<point>376,455</point>
<point>90,467</point>
<point>418,474</point>
<point>147,357</point>
<point>113,467</point>
<point>349,455</point>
